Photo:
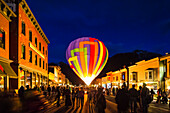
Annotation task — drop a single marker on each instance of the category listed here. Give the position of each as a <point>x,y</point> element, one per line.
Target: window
<point>134,75</point>
<point>30,55</point>
<point>23,52</point>
<point>150,75</point>
<point>43,64</point>
<point>36,41</point>
<point>35,59</point>
<point>40,62</point>
<point>23,28</point>
<point>46,52</point>
<point>40,46</point>
<point>43,50</point>
<point>123,76</point>
<point>30,36</point>
<point>113,78</point>
<point>2,39</point>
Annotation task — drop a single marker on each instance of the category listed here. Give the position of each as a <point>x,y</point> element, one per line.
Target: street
<point>111,107</point>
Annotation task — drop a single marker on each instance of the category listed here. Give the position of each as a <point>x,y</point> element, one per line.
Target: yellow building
<point>145,72</point>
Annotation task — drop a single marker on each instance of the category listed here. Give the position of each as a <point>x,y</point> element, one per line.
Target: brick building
<point>6,71</point>
<point>28,47</point>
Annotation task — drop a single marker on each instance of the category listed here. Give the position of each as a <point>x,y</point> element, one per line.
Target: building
<point>6,72</point>
<point>164,72</point>
<point>28,47</point>
<point>145,72</point>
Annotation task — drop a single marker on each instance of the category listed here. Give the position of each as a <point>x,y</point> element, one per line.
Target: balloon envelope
<point>87,57</point>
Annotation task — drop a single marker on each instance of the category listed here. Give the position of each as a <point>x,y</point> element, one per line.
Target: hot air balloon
<point>87,57</point>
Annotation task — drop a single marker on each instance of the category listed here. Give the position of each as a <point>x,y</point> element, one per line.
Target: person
<point>100,103</point>
<point>21,92</point>
<point>42,89</point>
<point>89,95</point>
<point>133,98</point>
<point>49,90</point>
<point>122,100</point>
<point>73,96</point>
<point>77,97</point>
<point>113,91</point>
<point>164,98</point>
<point>67,95</point>
<point>81,96</point>
<point>139,98</point>
<point>58,94</point>
<point>144,95</point>
<point>152,93</point>
<point>159,92</point>
<point>53,90</point>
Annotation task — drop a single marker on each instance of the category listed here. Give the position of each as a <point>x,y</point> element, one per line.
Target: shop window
<point>30,56</point>
<point>40,62</point>
<point>23,28</point>
<point>43,50</point>
<point>23,52</point>
<point>40,46</point>
<point>43,64</point>
<point>35,59</point>
<point>30,36</point>
<point>36,41</point>
<point>2,39</point>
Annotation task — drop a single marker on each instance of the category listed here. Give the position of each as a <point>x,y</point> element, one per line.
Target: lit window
<point>23,52</point>
<point>23,28</point>
<point>30,55</point>
<point>2,39</point>
<point>150,75</point>
<point>30,36</point>
<point>116,78</point>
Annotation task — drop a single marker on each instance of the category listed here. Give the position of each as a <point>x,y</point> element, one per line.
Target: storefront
<point>6,72</point>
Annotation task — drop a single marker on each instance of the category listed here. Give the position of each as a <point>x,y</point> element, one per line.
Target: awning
<point>5,69</point>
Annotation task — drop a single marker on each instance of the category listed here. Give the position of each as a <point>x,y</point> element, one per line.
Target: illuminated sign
<point>36,50</point>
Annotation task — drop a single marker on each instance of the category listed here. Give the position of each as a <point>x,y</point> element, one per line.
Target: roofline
<point>32,18</point>
<point>6,11</point>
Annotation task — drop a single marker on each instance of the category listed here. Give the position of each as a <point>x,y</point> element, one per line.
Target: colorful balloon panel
<point>87,57</point>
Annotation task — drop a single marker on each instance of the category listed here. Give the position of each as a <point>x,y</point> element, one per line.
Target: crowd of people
<point>128,100</point>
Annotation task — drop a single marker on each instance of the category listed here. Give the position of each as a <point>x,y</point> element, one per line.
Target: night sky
<point>123,25</point>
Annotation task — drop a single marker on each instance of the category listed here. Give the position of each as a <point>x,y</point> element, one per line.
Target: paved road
<point>111,107</point>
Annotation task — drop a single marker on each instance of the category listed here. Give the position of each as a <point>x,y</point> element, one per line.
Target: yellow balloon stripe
<point>76,63</point>
<point>100,58</point>
<point>105,61</point>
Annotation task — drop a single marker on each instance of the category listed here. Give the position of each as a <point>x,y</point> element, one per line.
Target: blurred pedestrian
<point>49,90</point>
<point>53,90</point>
<point>21,92</point>
<point>164,98</point>
<point>58,94</point>
<point>144,95</point>
<point>159,92</point>
<point>133,98</point>
<point>100,103</point>
<point>67,95</point>
<point>139,98</point>
<point>122,100</point>
<point>77,97</point>
<point>152,93</point>
<point>81,96</point>
<point>113,91</point>
<point>73,96</point>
